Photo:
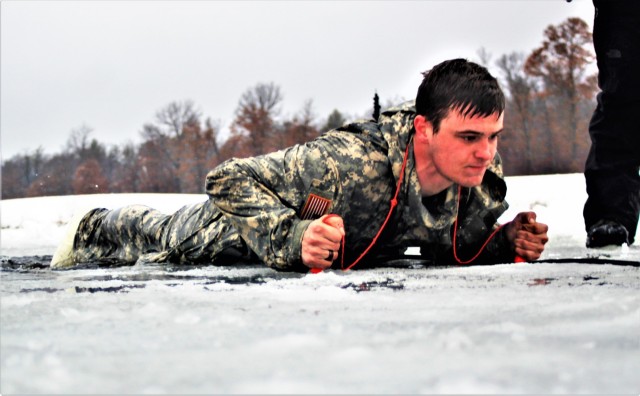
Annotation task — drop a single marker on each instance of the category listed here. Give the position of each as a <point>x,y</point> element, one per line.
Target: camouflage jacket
<point>355,169</point>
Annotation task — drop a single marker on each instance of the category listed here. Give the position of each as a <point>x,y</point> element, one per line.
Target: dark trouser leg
<point>611,170</point>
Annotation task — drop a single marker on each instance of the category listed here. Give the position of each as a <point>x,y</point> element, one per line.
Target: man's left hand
<point>527,236</point>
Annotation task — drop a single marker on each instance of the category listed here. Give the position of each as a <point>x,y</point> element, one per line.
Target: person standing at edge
<point>424,175</point>
<point>613,164</point>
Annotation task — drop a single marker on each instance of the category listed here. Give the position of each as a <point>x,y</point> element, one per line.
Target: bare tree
<point>254,127</point>
<point>520,89</point>
<point>89,178</point>
<point>78,141</point>
<point>262,97</point>
<point>163,138</point>
<point>19,171</point>
<point>171,119</point>
<point>301,128</point>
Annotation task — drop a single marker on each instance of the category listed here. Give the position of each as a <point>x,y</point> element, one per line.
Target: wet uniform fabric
<point>255,205</point>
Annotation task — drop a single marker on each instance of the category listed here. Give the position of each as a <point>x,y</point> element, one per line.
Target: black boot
<point>605,233</point>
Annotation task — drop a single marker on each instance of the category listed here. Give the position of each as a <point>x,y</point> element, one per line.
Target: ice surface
<point>524,328</point>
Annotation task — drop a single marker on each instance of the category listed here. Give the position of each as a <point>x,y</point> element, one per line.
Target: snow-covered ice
<point>523,328</point>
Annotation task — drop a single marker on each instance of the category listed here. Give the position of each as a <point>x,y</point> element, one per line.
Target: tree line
<point>550,98</point>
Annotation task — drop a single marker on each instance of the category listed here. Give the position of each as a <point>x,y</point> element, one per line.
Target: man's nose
<point>485,150</point>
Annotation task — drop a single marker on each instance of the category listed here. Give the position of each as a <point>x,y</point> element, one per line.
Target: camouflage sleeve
<point>262,196</point>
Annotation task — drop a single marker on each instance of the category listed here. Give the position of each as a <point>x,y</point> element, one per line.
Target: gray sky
<point>111,65</point>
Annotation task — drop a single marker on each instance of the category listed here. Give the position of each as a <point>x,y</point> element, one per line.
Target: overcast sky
<point>111,65</point>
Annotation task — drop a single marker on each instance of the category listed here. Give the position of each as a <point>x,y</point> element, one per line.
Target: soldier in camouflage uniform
<point>438,164</point>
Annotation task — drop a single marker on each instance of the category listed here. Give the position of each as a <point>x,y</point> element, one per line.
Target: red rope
<point>455,233</point>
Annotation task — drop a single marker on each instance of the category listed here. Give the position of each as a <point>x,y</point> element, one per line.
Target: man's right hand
<point>321,241</point>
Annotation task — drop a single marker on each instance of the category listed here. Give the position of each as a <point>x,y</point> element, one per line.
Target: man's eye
<point>469,138</point>
<point>494,137</point>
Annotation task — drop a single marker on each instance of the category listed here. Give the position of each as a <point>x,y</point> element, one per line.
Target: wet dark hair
<point>461,85</point>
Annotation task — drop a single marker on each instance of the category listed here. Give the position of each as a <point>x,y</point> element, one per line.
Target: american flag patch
<point>315,207</point>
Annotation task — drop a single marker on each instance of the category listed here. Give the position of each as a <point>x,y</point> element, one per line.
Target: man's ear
<point>424,129</point>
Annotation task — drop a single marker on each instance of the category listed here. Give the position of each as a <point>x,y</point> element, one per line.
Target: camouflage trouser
<point>194,234</point>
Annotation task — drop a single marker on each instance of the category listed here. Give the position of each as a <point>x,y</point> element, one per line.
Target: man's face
<point>459,152</point>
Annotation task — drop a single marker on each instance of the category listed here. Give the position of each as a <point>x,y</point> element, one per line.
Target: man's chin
<point>472,181</point>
